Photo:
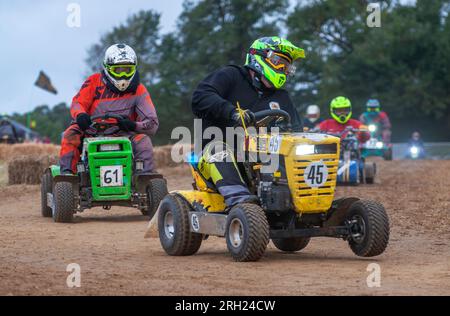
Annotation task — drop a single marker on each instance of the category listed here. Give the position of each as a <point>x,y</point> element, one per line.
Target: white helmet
<point>120,65</point>
<point>313,113</point>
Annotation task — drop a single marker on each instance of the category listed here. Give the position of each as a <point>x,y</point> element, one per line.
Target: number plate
<point>316,174</point>
<point>111,176</point>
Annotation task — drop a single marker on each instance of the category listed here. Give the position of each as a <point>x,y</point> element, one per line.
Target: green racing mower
<point>107,175</point>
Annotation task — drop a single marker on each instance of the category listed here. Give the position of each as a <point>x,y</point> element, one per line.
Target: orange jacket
<point>95,98</point>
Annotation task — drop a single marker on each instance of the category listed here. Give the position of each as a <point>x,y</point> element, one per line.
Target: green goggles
<point>120,71</point>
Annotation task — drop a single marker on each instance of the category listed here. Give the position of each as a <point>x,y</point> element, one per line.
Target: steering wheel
<point>101,126</point>
<point>267,117</point>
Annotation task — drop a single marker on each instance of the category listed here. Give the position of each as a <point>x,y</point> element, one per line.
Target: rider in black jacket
<point>256,86</point>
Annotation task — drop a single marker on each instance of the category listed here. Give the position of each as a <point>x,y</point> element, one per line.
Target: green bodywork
<point>97,159</point>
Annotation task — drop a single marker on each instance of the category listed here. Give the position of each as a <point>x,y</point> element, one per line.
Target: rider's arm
<point>363,135</point>
<point>323,126</point>
<point>385,121</point>
<point>208,100</point>
<point>81,103</point>
<point>147,121</point>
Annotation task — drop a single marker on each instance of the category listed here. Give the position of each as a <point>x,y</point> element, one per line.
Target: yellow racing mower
<point>296,201</point>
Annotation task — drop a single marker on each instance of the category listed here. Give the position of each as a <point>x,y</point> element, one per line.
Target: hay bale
<point>12,152</point>
<point>28,170</point>
<point>162,155</point>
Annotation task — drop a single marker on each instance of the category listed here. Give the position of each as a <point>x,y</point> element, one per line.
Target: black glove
<point>126,124</point>
<point>83,121</point>
<point>249,117</point>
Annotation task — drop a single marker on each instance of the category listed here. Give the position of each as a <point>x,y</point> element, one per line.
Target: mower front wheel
<point>388,154</point>
<point>174,228</point>
<point>369,228</point>
<point>247,232</point>
<point>64,203</point>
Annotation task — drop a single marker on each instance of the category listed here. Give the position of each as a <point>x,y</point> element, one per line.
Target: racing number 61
<point>108,180</point>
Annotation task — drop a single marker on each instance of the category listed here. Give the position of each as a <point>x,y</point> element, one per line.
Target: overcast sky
<point>35,36</point>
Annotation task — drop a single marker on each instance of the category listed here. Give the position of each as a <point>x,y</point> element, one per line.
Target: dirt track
<point>116,259</point>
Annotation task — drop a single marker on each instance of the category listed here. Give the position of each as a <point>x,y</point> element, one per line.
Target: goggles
<point>342,111</point>
<point>120,71</point>
<point>280,63</point>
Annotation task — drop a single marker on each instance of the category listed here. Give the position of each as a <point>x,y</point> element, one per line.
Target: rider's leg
<point>143,150</point>
<point>70,152</point>
<point>218,165</point>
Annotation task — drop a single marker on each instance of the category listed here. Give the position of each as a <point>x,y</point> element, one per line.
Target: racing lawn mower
<point>296,202</point>
<point>353,168</point>
<point>106,176</point>
<point>375,146</point>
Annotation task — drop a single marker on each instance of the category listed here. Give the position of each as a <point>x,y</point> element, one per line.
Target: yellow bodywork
<point>305,199</point>
<point>213,202</point>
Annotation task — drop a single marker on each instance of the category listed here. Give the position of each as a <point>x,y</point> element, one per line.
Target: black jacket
<point>217,95</point>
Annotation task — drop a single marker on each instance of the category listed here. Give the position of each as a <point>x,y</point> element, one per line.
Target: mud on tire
<point>175,235</point>
<point>291,244</point>
<point>247,232</point>
<point>46,187</point>
<point>63,198</point>
<point>156,192</point>
<point>375,230</point>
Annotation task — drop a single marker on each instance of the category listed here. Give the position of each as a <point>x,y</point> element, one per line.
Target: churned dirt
<point>115,259</point>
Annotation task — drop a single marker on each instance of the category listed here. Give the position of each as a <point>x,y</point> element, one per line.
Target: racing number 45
<point>315,175</point>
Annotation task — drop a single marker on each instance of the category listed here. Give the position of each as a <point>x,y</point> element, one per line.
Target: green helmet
<point>273,58</point>
<point>341,109</point>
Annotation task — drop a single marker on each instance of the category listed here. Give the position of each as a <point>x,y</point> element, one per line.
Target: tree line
<point>404,63</point>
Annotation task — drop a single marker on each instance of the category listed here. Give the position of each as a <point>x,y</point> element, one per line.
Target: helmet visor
<point>280,63</point>
<point>121,71</point>
<point>342,112</point>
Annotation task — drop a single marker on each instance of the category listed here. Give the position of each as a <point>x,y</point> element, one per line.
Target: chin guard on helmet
<point>120,64</point>
<point>341,109</point>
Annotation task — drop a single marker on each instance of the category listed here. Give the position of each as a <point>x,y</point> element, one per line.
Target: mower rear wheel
<point>369,228</point>
<point>291,244</point>
<point>370,172</point>
<point>247,232</point>
<point>63,197</point>
<point>46,187</point>
<point>156,192</point>
<point>175,234</point>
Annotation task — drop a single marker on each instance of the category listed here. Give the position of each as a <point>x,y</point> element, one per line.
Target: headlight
<point>110,147</point>
<point>372,128</point>
<point>414,150</point>
<point>303,150</point>
<point>379,145</point>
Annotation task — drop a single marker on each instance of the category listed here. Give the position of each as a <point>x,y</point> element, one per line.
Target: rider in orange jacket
<point>116,90</point>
